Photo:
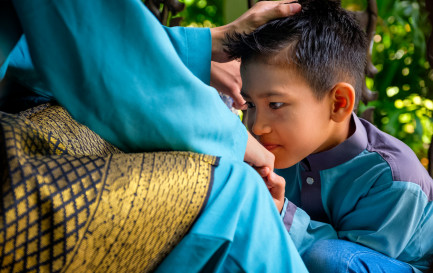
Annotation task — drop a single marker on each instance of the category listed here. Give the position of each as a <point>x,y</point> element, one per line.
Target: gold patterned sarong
<point>71,202</point>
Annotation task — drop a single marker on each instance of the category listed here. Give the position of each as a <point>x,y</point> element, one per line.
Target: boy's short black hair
<point>323,41</point>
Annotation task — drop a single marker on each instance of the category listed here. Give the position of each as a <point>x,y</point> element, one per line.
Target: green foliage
<point>202,13</point>
<point>405,80</point>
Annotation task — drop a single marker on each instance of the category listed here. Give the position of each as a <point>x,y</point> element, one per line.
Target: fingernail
<point>295,7</point>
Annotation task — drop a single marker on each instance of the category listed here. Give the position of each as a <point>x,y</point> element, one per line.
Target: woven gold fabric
<point>72,202</point>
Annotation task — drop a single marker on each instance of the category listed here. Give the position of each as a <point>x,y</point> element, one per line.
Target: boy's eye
<point>275,105</point>
<point>250,104</point>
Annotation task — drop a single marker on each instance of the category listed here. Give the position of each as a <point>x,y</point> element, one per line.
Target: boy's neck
<point>351,127</point>
<point>341,132</point>
<point>344,131</point>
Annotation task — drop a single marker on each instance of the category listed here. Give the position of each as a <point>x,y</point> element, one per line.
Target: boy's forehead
<point>285,56</point>
<point>277,62</point>
<point>264,72</point>
<point>263,80</point>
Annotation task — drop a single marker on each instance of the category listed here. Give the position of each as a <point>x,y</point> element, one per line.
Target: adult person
<point>143,88</point>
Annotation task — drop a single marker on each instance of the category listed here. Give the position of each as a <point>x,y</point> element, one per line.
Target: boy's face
<point>283,113</point>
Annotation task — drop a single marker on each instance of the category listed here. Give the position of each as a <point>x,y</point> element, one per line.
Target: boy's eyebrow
<point>265,95</point>
<point>272,94</point>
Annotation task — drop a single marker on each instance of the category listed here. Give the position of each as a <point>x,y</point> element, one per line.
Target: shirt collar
<point>343,152</point>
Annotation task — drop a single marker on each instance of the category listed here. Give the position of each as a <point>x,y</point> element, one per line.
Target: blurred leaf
<point>401,55</point>
<point>202,13</point>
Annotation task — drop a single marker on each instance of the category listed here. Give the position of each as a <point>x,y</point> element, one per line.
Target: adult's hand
<point>226,78</point>
<point>256,16</point>
<point>258,157</point>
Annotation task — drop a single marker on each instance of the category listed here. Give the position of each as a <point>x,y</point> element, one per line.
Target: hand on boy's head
<point>263,12</point>
<point>259,14</point>
<point>276,186</point>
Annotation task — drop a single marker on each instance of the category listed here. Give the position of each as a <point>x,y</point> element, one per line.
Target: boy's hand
<point>276,186</point>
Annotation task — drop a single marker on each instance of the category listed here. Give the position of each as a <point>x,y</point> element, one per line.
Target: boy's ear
<point>343,101</point>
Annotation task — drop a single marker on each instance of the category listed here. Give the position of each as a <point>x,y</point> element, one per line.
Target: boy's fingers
<point>275,180</point>
<point>271,177</point>
<point>263,171</point>
<point>276,185</point>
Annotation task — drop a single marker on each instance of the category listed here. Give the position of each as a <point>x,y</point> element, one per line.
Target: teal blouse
<point>129,82</point>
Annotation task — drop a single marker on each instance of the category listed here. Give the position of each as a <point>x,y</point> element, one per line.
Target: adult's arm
<point>19,64</point>
<point>260,13</point>
<point>111,64</point>
<point>187,41</point>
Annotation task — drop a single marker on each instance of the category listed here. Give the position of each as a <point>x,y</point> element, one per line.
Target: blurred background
<point>404,79</point>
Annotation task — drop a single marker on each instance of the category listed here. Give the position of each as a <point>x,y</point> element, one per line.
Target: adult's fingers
<point>226,78</point>
<point>256,16</point>
<point>238,101</point>
<point>265,11</point>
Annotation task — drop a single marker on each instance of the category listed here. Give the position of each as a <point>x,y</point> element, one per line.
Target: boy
<point>359,198</point>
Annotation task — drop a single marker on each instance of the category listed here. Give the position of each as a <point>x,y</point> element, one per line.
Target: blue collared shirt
<point>371,189</point>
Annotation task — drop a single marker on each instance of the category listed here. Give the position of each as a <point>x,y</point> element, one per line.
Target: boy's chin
<point>283,164</point>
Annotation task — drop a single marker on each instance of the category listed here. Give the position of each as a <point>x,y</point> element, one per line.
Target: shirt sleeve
<point>117,70</point>
<point>387,218</point>
<point>303,230</point>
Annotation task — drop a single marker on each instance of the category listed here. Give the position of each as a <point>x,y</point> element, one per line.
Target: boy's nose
<point>260,126</point>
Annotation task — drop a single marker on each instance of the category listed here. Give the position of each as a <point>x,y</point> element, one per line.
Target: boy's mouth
<point>270,147</point>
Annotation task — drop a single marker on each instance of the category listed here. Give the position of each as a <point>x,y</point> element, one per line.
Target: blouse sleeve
<point>118,71</point>
<point>188,43</point>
